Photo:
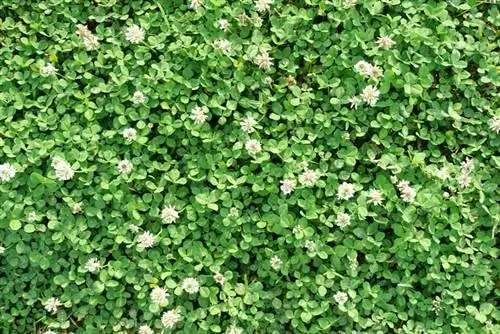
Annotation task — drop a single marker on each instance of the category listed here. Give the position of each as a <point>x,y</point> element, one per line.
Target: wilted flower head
<point>134,34</point>
<point>7,172</point>
<point>341,297</point>
<point>385,42</point>
<point>145,329</point>
<point>199,114</point>
<point>343,220</point>
<point>146,240</point>
<point>52,304</point>
<point>276,262</point>
<point>262,5</point>
<point>370,95</point>
<point>264,60</point>
<point>288,185</point>
<point>169,214</point>
<point>495,124</point>
<point>345,191</point>
<point>248,124</point>
<point>48,69</point>
<point>243,19</point>
<point>308,177</point>
<point>93,265</point>
<point>170,318</point>
<point>138,97</point>
<point>375,197</point>
<point>159,296</point>
<point>253,146</point>
<point>190,285</point>
<point>130,134</point>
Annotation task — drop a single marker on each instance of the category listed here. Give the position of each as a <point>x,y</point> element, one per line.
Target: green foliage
<point>317,257</point>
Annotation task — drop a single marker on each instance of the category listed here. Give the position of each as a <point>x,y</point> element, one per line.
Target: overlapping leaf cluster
<point>268,258</point>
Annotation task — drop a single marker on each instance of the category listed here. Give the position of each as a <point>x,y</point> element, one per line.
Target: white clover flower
<point>77,208</point>
<point>375,197</point>
<point>394,178</point>
<point>224,45</point>
<point>223,24</point>
<point>377,72</point>
<point>248,124</point>
<point>134,34</point>
<point>93,265</point>
<point>288,185</point>
<point>2,250</point>
<point>130,134</point>
<point>446,195</point>
<point>219,278</point>
<point>354,102</point>
<point>146,240</point>
<point>443,173</point>
<point>48,70</point>
<point>495,124</point>
<point>264,60</point>
<point>466,166</point>
<point>170,318</point>
<point>276,262</point>
<point>403,184</point>
<point>7,172</point>
<point>63,169</point>
<point>234,330</point>
<point>190,285</point>
<point>125,166</point>
<point>133,228</point>
<point>350,3</point>
<point>385,42</point>
<point>343,220</point>
<point>370,95</point>
<point>159,296</point>
<point>138,97</point>
<point>195,4</point>
<point>31,217</point>
<point>408,194</point>
<point>310,245</point>
<point>345,191</point>
<point>90,42</point>
<point>169,214</point>
<point>363,67</point>
<point>464,180</point>
<point>233,212</point>
<point>82,31</point>
<point>298,229</point>
<point>199,115</point>
<point>253,146</point>
<point>145,329</point>
<point>268,80</point>
<point>263,5</point>
<point>52,304</point>
<point>309,177</point>
<point>341,297</point>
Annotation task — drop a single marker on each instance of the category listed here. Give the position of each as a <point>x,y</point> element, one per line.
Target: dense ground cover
<point>213,166</point>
